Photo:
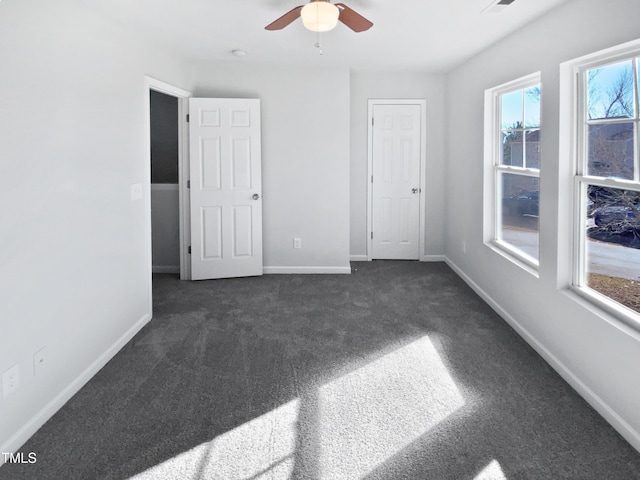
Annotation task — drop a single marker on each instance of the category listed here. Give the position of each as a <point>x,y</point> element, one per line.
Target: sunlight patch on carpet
<point>260,449</point>
<point>371,414</point>
<point>362,420</point>
<point>493,471</point>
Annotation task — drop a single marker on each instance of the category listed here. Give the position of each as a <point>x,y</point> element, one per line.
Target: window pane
<point>532,148</point>
<point>613,244</point>
<point>519,221</point>
<point>610,91</point>
<point>611,151</point>
<point>511,113</point>
<point>638,82</point>
<point>512,148</point>
<point>532,106</point>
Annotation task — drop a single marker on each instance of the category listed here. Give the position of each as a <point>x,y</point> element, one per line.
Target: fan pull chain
<point>318,43</point>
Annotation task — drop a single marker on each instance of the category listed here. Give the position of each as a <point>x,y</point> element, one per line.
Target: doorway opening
<point>167,225</point>
<point>165,198</point>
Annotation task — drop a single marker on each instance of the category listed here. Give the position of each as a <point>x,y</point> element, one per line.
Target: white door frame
<point>423,166</point>
<point>183,171</point>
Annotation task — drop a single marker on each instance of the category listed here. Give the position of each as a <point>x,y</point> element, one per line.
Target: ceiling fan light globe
<point>320,16</point>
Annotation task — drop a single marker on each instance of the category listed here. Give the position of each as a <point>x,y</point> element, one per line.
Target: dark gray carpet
<point>398,371</point>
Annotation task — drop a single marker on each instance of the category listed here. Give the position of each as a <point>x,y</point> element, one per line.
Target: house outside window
<point>607,182</point>
<point>512,148</point>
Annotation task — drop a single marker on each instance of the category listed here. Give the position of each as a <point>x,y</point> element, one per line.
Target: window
<point>513,151</point>
<point>607,182</point>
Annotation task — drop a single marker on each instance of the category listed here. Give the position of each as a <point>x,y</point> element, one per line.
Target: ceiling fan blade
<point>285,19</point>
<point>352,19</point>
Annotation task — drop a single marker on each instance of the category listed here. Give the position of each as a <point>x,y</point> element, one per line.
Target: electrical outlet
<point>39,361</point>
<point>297,243</point>
<point>136,192</point>
<point>463,245</point>
<point>11,380</point>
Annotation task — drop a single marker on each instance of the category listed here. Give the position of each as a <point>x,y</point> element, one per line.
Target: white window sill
<point>607,309</point>
<point>514,255</point>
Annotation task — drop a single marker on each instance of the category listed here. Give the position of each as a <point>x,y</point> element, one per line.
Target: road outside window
<point>515,158</point>
<point>608,179</point>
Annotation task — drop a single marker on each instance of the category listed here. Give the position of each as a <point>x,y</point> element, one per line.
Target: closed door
<point>225,188</point>
<point>396,154</point>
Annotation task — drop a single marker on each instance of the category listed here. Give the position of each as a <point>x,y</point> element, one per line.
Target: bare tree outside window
<point>612,225</point>
<point>518,170</point>
<point>610,91</point>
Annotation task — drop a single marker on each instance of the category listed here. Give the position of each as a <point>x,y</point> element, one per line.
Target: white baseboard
<point>310,270</point>
<point>433,258</point>
<point>166,269</point>
<point>609,414</point>
<point>27,431</point>
<point>423,258</point>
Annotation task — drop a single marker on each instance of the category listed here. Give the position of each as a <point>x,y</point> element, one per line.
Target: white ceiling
<point>427,35</point>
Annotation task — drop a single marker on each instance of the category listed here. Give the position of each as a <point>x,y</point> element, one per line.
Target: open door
<point>225,188</point>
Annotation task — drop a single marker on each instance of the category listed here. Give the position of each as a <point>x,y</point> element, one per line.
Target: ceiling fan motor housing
<point>320,16</point>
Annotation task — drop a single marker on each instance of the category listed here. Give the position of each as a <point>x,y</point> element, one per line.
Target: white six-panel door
<point>396,158</point>
<point>225,190</point>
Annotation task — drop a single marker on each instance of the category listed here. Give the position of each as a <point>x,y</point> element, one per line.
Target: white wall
<point>599,356</point>
<point>399,85</point>
<point>73,264</point>
<point>305,160</point>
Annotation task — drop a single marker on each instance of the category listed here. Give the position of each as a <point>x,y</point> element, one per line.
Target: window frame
<point>494,169</point>
<point>580,178</point>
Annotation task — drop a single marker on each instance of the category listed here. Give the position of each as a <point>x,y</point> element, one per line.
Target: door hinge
<point>371,235</point>
<point>187,118</point>
<point>188,183</point>
<point>372,121</point>
<point>371,178</point>
<point>189,249</point>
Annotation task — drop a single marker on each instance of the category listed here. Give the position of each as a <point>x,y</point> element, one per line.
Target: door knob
<point>255,196</point>
<point>414,190</point>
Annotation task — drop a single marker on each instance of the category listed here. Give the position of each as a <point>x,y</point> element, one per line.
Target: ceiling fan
<point>322,16</point>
